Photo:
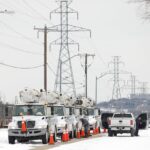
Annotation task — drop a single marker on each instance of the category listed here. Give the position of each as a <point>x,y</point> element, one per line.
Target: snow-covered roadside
<point>121,142</point>
<point>5,146</point>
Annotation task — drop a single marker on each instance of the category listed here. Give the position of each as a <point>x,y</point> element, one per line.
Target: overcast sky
<point>117,30</point>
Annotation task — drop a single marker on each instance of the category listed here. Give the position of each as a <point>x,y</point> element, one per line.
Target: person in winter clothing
<point>85,124</point>
<point>138,121</point>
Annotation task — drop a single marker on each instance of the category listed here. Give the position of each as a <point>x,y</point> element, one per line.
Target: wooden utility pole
<point>45,30</point>
<point>86,71</point>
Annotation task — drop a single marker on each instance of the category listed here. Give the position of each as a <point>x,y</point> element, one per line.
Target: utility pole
<point>64,68</point>
<point>86,70</point>
<point>45,30</point>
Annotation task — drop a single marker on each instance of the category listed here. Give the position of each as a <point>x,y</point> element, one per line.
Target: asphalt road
<point>59,143</point>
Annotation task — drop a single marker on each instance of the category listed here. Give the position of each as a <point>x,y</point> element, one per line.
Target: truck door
<point>143,120</point>
<point>104,119</point>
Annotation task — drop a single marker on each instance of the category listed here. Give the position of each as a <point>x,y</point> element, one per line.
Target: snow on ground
<point>18,146</point>
<point>121,142</point>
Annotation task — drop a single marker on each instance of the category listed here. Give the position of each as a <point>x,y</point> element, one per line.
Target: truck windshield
<point>90,112</point>
<point>57,110</point>
<point>122,116</point>
<point>34,110</point>
<point>78,111</point>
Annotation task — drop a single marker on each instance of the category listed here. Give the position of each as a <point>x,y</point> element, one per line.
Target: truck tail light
<point>131,122</point>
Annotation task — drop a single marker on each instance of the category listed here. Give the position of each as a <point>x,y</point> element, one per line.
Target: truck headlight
<point>11,126</point>
<point>41,126</point>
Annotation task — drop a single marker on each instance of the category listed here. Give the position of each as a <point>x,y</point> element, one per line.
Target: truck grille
<point>29,124</point>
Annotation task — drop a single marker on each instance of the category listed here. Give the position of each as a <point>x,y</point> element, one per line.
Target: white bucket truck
<point>29,121</point>
<point>90,112</point>
<point>60,108</point>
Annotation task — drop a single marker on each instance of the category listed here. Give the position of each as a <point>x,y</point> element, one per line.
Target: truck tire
<point>132,132</point>
<point>110,133</point>
<point>11,140</point>
<point>71,133</point>
<point>115,134</point>
<point>45,138</point>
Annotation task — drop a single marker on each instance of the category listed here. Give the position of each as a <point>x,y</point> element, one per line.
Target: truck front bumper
<point>33,133</point>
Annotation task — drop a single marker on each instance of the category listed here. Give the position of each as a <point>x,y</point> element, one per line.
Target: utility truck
<point>61,111</point>
<point>29,120</point>
<point>90,112</point>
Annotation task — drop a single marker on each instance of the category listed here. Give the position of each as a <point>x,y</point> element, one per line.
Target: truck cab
<point>90,116</point>
<point>29,120</point>
<point>71,120</point>
<point>57,120</point>
<point>35,118</point>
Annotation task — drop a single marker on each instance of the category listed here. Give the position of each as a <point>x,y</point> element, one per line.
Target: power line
<point>51,70</point>
<point>20,34</point>
<point>43,4</point>
<point>15,67</point>
<point>34,10</point>
<point>19,49</point>
<point>20,12</point>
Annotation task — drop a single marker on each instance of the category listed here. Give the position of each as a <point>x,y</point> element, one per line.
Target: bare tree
<point>144,8</point>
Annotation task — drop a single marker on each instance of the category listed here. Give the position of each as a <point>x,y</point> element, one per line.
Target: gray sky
<point>117,30</point>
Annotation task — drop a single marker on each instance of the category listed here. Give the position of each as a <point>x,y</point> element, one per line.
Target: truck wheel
<point>132,132</point>
<point>45,138</point>
<point>115,134</point>
<point>110,133</point>
<point>11,140</point>
<point>75,133</point>
<point>71,134</point>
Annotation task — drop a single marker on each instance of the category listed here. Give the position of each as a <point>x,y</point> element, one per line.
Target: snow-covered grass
<point>18,146</point>
<point>121,142</point>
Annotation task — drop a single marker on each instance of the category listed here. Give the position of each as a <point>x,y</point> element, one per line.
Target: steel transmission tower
<point>64,82</point>
<point>116,94</point>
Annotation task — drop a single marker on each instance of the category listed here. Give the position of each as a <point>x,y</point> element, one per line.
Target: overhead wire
<point>51,70</point>
<point>42,4</point>
<point>15,67</point>
<point>19,49</point>
<point>34,10</point>
<point>20,34</point>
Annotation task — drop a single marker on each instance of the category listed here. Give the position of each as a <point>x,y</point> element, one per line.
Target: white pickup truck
<point>121,123</point>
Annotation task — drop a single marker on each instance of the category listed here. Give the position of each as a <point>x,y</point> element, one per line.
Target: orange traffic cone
<point>23,126</point>
<point>51,139</point>
<point>82,133</point>
<point>64,136</point>
<point>78,134</point>
<point>96,130</point>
